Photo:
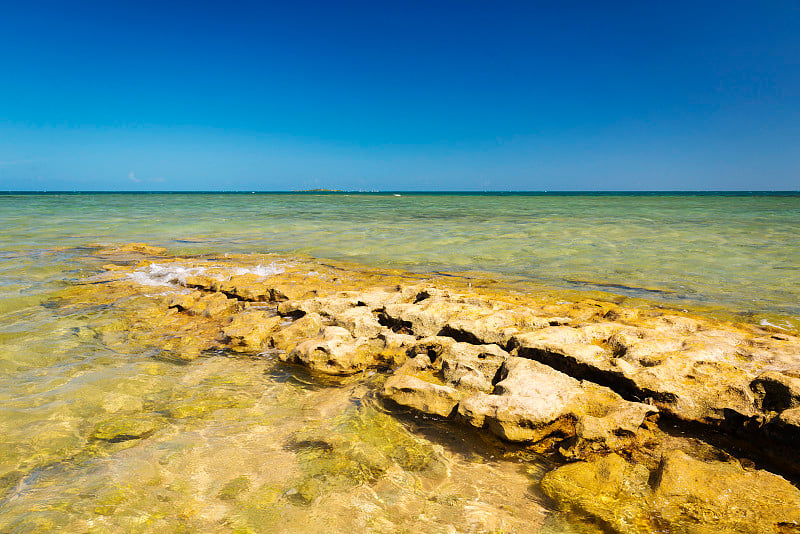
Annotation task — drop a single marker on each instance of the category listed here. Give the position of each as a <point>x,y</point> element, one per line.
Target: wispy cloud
<point>132,177</point>
<point>15,162</point>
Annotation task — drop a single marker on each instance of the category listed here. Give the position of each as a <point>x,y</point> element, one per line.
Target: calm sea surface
<point>739,251</point>
<point>62,374</point>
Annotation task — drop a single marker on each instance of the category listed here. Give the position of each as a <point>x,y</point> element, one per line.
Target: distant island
<point>319,191</point>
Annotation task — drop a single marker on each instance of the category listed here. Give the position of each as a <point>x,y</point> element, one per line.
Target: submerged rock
<point>359,447</point>
<point>141,248</point>
<point>682,495</point>
<point>202,405</point>
<point>123,428</point>
<point>233,488</point>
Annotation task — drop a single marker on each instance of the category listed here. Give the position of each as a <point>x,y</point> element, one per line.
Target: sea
<point>231,467</point>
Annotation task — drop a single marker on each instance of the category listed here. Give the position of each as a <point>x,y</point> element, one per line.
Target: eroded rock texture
<point>583,380</point>
<point>681,495</point>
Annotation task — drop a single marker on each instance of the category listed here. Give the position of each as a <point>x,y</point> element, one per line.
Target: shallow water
<point>98,435</point>
<point>233,444</point>
<point>740,252</point>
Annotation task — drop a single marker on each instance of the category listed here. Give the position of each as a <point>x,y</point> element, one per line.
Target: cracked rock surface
<point>585,381</point>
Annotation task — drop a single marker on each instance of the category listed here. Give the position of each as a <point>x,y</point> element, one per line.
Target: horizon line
<point>401,191</point>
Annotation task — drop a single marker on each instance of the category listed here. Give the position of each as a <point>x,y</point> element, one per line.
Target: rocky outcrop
<point>463,365</point>
<point>288,337</point>
<point>251,331</point>
<point>497,327</point>
<point>422,395</point>
<point>777,391</point>
<point>336,352</point>
<point>359,321</point>
<point>692,369</point>
<point>208,304</point>
<point>427,317</point>
<point>246,287</point>
<point>530,402</point>
<point>715,377</point>
<point>535,403</point>
<point>585,381</point>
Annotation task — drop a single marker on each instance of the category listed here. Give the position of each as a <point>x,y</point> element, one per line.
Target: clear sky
<point>431,95</point>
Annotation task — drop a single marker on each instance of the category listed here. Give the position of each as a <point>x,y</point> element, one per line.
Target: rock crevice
<point>584,381</point>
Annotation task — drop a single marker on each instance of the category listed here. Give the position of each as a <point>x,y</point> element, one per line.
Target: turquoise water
<point>737,251</point>
<point>218,455</point>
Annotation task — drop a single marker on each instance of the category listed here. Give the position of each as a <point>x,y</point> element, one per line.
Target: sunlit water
<point>738,251</point>
<point>252,445</point>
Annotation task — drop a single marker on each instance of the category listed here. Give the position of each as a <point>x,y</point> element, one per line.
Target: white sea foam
<point>157,274</point>
<point>261,270</point>
<point>764,322</point>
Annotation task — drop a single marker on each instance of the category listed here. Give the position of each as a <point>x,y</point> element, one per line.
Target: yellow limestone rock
<point>421,395</point>
<point>142,248</point>
<point>288,337</point>
<point>683,494</point>
<point>251,331</point>
<point>532,402</point>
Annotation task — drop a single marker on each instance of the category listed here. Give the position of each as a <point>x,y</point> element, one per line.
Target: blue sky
<point>399,95</point>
